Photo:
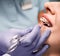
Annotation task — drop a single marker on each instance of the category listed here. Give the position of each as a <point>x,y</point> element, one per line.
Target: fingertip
<point>35,31</point>
<point>43,50</point>
<point>48,31</point>
<point>47,46</point>
<point>36,28</point>
<point>26,31</point>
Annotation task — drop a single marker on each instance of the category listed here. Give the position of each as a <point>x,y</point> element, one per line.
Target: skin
<point>53,14</point>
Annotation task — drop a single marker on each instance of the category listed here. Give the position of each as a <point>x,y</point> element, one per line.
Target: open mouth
<point>44,19</point>
<point>45,22</point>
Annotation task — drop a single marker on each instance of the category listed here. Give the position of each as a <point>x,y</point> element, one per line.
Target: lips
<point>45,20</point>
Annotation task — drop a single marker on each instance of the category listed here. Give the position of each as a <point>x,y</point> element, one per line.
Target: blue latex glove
<point>31,43</point>
<point>6,36</point>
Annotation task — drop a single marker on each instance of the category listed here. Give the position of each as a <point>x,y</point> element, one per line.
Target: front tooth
<point>43,19</point>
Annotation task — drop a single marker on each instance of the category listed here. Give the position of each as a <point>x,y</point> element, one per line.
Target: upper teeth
<point>42,19</point>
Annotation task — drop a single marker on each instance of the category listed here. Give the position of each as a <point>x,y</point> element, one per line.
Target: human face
<point>52,15</point>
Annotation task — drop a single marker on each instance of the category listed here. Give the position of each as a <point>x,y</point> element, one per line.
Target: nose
<point>49,7</point>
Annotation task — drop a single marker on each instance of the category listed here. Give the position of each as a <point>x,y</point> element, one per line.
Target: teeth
<point>42,19</point>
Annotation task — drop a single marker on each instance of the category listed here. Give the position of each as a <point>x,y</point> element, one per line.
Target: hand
<point>6,36</point>
<point>32,42</point>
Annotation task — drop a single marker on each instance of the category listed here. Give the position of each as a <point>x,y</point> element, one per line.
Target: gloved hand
<point>6,36</point>
<point>32,44</point>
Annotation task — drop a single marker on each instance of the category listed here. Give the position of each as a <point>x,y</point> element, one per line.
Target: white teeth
<point>42,19</point>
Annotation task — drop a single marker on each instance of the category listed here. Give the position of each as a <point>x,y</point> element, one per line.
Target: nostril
<point>47,9</point>
<point>50,9</point>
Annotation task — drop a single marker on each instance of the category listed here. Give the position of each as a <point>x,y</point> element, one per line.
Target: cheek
<point>54,42</point>
<point>57,16</point>
<point>57,20</point>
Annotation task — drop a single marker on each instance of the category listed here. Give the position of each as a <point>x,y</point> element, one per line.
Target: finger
<point>35,42</point>
<point>26,31</point>
<point>43,50</point>
<point>43,38</point>
<point>31,36</point>
<point>21,32</point>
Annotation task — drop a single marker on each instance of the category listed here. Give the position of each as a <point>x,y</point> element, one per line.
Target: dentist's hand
<point>6,36</point>
<point>32,44</point>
